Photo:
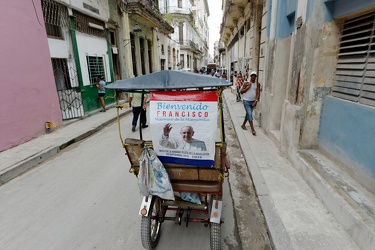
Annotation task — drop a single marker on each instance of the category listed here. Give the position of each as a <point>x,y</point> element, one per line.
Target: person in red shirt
<point>239,82</point>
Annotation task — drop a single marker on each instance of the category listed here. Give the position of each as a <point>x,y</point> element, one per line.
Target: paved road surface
<point>84,198</point>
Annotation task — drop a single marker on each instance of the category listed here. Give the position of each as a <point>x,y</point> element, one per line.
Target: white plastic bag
<point>191,197</point>
<point>153,179</point>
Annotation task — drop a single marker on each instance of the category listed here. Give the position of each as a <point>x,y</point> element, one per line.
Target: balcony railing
<point>147,8</point>
<point>135,5</point>
<point>191,44</point>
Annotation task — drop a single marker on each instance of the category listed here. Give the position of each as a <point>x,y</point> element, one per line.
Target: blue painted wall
<point>347,130</point>
<point>286,9</point>
<point>339,8</point>
<point>344,7</point>
<point>285,20</point>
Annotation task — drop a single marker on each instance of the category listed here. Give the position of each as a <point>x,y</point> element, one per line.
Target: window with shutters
<point>143,55</point>
<point>355,71</point>
<point>182,60</point>
<point>149,46</point>
<point>134,59</point>
<point>181,34</point>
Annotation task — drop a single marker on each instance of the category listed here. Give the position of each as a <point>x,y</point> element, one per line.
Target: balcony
<point>146,12</point>
<point>190,45</point>
<point>233,10</point>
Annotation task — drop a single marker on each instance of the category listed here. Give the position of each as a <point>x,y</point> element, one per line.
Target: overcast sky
<point>214,21</point>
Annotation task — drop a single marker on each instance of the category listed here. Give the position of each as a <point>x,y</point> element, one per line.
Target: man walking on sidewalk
<point>250,94</point>
<point>139,108</point>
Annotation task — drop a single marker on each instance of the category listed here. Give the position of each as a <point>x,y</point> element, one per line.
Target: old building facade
<point>83,40</point>
<point>315,62</point>
<point>189,19</point>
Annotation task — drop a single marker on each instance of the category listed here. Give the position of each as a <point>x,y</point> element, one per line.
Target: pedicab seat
<point>182,177</point>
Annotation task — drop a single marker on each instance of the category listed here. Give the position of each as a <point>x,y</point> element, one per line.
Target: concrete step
<point>351,204</point>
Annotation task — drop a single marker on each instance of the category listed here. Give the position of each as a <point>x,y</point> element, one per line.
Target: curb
<point>279,237</point>
<point>29,163</point>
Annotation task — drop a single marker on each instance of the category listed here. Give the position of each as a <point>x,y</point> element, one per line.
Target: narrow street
<point>85,198</point>
<point>296,81</point>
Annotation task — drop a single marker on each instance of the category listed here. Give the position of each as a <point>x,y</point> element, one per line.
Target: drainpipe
<point>244,33</point>
<point>259,22</point>
<point>154,53</point>
<point>75,48</point>
<point>259,19</point>
<point>238,49</point>
<point>109,49</point>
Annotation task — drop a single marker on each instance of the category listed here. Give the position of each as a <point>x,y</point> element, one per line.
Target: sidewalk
<point>295,216</point>
<point>19,159</point>
<point>309,203</point>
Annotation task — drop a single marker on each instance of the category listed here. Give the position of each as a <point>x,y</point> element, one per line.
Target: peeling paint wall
<point>300,72</point>
<point>302,69</point>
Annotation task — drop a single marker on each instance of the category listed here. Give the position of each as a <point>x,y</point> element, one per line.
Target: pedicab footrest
<point>184,204</point>
<point>197,186</point>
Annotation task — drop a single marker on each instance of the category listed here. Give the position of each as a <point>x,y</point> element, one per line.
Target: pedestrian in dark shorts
<point>101,92</point>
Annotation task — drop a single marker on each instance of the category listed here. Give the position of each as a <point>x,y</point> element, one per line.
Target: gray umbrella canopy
<point>168,80</point>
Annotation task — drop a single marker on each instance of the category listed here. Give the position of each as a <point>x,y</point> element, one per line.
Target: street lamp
<point>136,29</point>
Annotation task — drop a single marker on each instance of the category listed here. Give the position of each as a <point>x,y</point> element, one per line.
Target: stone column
<point>155,52</point>
<point>125,43</point>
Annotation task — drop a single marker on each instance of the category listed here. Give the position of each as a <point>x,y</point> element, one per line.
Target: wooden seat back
<point>133,148</point>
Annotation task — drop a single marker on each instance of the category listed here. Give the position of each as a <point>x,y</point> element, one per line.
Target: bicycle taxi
<point>180,169</point>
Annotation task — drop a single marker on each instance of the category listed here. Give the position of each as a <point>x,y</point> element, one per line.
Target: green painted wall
<point>90,98</point>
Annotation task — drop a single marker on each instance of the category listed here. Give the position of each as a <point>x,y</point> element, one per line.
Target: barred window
<point>95,66</point>
<point>88,25</point>
<point>61,73</point>
<point>55,16</point>
<point>355,71</point>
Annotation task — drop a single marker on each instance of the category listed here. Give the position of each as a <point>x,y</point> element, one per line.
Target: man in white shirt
<point>250,91</point>
<point>138,107</point>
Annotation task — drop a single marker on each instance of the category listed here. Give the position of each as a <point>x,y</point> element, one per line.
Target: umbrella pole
<point>222,128</point>
<point>140,124</point>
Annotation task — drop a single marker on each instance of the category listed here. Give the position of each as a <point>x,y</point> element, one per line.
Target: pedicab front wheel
<point>150,227</point>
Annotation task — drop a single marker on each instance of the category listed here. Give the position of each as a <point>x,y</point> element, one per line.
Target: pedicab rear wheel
<point>150,226</point>
<point>215,236</point>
